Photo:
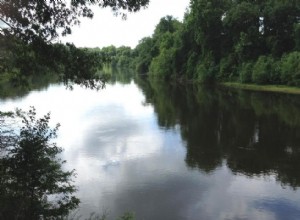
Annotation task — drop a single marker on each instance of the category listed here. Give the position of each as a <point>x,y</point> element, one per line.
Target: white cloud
<point>106,29</point>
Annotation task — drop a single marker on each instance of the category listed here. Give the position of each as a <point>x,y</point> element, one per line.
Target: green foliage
<point>246,72</point>
<point>227,68</point>
<point>32,181</point>
<point>156,55</point>
<point>29,27</point>
<point>191,65</point>
<point>166,25</point>
<point>31,20</point>
<point>265,71</point>
<point>280,17</point>
<point>145,51</point>
<point>73,65</point>
<point>206,70</point>
<point>80,66</point>
<point>223,40</point>
<point>217,40</point>
<point>124,58</point>
<point>290,69</point>
<point>163,65</point>
<point>241,24</point>
<point>297,37</point>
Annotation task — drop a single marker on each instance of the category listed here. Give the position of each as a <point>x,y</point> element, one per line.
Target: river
<point>167,151</point>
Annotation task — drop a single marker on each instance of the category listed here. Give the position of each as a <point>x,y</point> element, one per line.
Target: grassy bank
<point>263,88</point>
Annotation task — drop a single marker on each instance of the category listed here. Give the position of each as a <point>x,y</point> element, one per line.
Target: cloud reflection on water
<point>126,162</point>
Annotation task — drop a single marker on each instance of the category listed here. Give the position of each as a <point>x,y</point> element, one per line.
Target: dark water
<point>168,151</point>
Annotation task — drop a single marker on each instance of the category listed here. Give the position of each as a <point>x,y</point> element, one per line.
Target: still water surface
<point>177,152</point>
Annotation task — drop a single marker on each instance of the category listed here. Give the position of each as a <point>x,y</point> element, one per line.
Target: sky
<point>105,29</point>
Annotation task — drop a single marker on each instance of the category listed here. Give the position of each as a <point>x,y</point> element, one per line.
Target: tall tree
<point>206,20</point>
<point>280,18</point>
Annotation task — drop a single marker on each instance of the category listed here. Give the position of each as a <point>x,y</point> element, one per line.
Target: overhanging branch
<point>5,22</point>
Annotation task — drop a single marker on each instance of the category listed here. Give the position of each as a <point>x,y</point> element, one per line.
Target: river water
<point>165,151</point>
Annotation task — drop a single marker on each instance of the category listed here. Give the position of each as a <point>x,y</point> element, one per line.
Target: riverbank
<point>263,88</point>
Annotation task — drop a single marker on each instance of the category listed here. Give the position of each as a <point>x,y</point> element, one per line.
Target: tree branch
<point>5,22</point>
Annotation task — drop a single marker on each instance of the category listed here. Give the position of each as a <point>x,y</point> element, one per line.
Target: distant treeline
<point>21,61</point>
<point>244,41</point>
<point>223,40</point>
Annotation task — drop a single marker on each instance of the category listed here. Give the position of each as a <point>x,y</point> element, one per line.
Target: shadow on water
<point>254,133</point>
<point>10,89</point>
<point>120,75</point>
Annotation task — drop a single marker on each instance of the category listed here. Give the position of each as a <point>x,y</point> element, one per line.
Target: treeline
<point>121,57</point>
<point>218,40</point>
<point>28,30</point>
<point>21,61</point>
<point>224,40</point>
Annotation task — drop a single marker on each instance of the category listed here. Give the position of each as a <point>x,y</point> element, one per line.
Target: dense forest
<point>29,40</point>
<point>244,41</point>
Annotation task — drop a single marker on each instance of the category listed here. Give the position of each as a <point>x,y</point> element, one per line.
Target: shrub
<point>227,68</point>
<point>163,65</point>
<point>191,65</point>
<point>206,70</point>
<point>290,69</point>
<point>246,73</point>
<point>265,71</point>
<point>33,182</point>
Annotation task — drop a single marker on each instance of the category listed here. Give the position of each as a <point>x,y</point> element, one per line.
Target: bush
<point>227,68</point>
<point>163,65</point>
<point>206,71</point>
<point>266,71</point>
<point>297,37</point>
<point>246,73</point>
<point>33,184</point>
<point>290,69</point>
<point>142,67</point>
<point>191,65</point>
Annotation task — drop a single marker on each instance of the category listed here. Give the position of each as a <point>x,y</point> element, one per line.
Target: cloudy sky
<point>106,29</point>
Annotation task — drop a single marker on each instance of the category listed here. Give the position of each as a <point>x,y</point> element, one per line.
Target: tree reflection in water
<point>33,184</point>
<point>252,133</point>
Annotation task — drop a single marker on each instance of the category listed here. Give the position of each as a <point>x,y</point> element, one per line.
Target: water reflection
<point>167,151</point>
<point>256,133</point>
<point>12,90</point>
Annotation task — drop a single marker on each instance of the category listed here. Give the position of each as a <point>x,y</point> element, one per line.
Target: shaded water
<point>166,151</point>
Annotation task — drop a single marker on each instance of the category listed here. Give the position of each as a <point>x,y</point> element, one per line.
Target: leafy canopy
<point>47,19</point>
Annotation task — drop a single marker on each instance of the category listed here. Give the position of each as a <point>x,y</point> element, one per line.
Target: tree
<point>31,172</point>
<point>206,21</point>
<point>280,18</point>
<point>242,25</point>
<point>27,31</point>
<point>166,24</point>
<point>146,50</point>
<point>224,40</point>
<point>30,19</point>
